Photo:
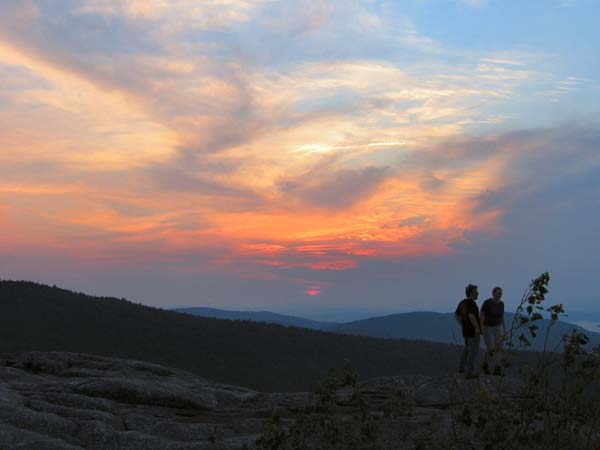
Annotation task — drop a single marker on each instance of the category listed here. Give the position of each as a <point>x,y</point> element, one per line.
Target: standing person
<point>467,315</point>
<point>494,328</point>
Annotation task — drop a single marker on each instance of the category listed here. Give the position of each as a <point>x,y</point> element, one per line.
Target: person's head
<point>472,291</point>
<point>497,293</point>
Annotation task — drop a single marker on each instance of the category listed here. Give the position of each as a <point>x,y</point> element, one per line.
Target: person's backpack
<point>460,310</point>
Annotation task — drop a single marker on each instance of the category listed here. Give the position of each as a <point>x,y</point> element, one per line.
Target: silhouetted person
<point>467,315</point>
<point>494,329</point>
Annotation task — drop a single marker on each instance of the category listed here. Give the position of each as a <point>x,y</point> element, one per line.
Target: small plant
<point>530,310</point>
<point>555,406</point>
<point>338,416</point>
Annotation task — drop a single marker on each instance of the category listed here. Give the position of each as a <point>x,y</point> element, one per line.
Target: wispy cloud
<point>251,136</point>
<point>477,3</point>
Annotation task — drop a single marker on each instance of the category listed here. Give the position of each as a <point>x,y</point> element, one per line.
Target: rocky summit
<point>72,401</point>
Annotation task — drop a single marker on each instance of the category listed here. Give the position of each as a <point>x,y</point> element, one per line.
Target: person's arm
<point>475,324</point>
<point>482,313</point>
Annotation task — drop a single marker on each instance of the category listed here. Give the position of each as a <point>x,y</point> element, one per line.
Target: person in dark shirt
<point>467,315</point>
<point>494,329</point>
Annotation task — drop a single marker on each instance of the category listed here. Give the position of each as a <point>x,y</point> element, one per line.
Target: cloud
<point>477,3</point>
<point>251,139</point>
<point>188,13</point>
<point>337,190</point>
<point>547,168</point>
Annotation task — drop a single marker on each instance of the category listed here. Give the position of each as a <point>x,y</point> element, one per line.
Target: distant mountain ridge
<point>256,316</point>
<point>442,327</point>
<point>422,325</point>
<point>418,325</point>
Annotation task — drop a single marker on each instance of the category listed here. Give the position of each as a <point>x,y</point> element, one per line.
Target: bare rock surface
<point>59,400</point>
<point>72,401</point>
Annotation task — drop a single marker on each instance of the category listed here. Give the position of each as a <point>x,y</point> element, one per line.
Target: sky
<point>301,155</point>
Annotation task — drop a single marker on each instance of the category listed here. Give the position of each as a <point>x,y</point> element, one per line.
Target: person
<point>494,329</point>
<point>467,315</point>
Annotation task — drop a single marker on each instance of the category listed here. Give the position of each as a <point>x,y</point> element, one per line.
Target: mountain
<point>268,357</point>
<point>332,314</point>
<point>442,327</point>
<point>421,326</point>
<point>256,316</point>
<point>427,326</point>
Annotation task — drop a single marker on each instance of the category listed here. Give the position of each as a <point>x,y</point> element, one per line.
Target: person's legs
<point>472,346</point>
<point>489,337</point>
<point>463,358</point>
<point>497,349</point>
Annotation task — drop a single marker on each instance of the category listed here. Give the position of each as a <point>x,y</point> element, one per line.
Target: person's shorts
<point>492,336</point>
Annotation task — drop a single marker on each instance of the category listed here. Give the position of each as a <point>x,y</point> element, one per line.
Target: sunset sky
<point>301,154</point>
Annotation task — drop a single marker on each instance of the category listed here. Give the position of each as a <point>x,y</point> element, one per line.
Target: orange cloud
<point>315,165</point>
